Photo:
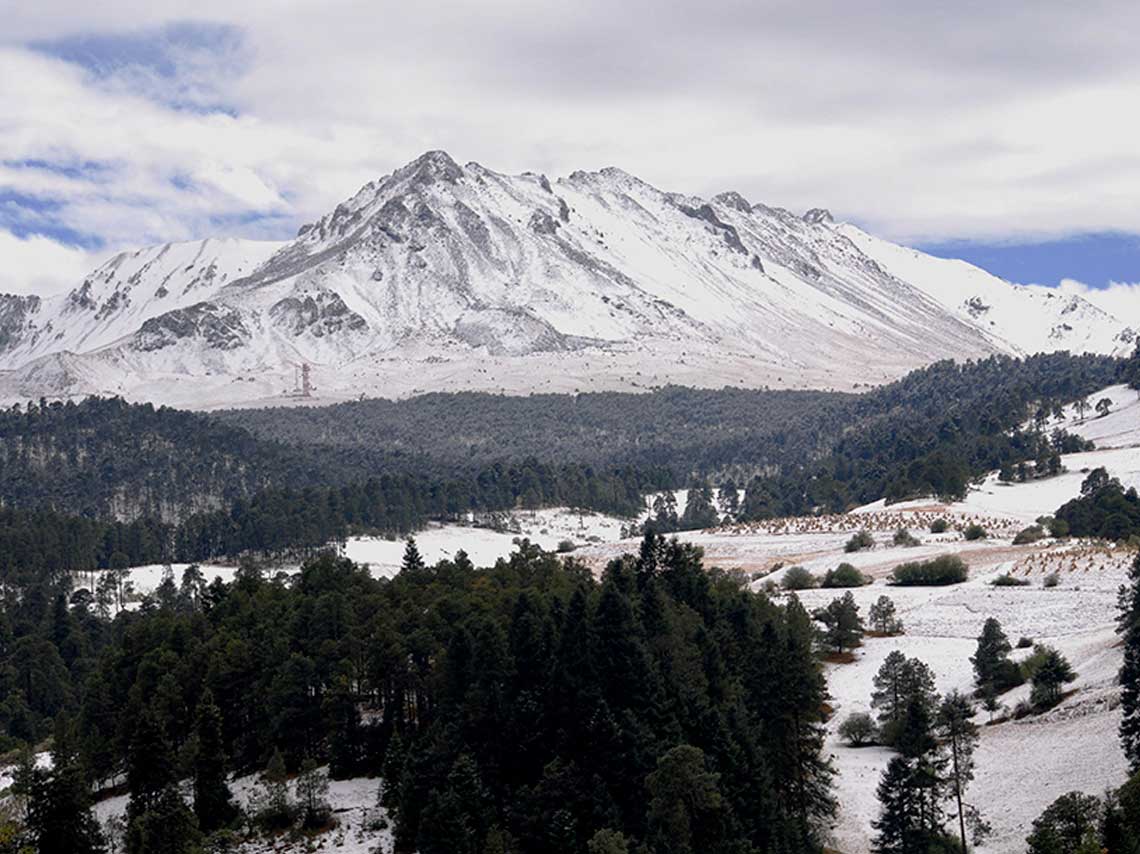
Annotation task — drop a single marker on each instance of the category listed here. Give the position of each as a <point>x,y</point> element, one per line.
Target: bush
<point>1029,535</point>
<point>844,575</point>
<point>798,578</point>
<point>860,541</point>
<point>903,537</point>
<point>1024,643</point>
<point>974,531</point>
<point>1051,580</point>
<point>565,547</point>
<point>858,729</point>
<point>939,526</point>
<point>1058,529</point>
<point>1007,580</point>
<point>945,569</point>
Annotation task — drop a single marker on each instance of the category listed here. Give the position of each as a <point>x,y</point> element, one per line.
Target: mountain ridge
<point>440,277</point>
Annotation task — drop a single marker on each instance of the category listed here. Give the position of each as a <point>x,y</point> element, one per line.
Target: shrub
<point>903,537</point>
<point>944,569</point>
<point>844,575</point>
<point>797,578</point>
<point>1007,580</point>
<point>565,547</point>
<point>858,729</point>
<point>1051,580</point>
<point>974,531</point>
<point>1024,643</point>
<point>1029,535</point>
<point>860,541</point>
<point>1058,529</point>
<point>939,526</point>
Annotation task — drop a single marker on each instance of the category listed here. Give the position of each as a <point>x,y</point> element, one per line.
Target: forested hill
<point>690,430</point>
<point>444,454</point>
<point>111,459</point>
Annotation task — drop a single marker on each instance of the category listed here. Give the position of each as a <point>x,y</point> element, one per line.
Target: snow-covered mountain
<point>442,277</point>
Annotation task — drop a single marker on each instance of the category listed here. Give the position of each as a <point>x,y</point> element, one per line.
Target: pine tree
<point>991,660</point>
<point>274,808</point>
<point>1128,625</point>
<point>313,795</point>
<point>168,827</point>
<point>884,619</point>
<point>956,728</point>
<point>889,694</point>
<point>213,804</point>
<point>699,509</point>
<point>898,822</point>
<point>150,766</point>
<point>412,562</point>
<point>844,626</point>
<point>59,805</point>
<point>685,803</point>
<point>1051,674</point>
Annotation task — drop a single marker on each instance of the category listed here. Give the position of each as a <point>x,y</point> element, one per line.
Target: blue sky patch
<point>1095,259</point>
<point>183,65</point>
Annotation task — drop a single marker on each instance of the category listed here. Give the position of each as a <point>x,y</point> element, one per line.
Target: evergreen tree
<point>150,767</point>
<point>1052,673</point>
<point>700,512</point>
<point>956,729</point>
<point>412,562</point>
<point>213,804</point>
<point>901,683</point>
<point>685,806</point>
<point>458,815</point>
<point>898,825</point>
<point>168,827</point>
<point>274,807</point>
<point>993,671</point>
<point>884,619</point>
<point>313,796</point>
<point>59,806</point>
<point>1069,825</point>
<point>1128,626</point>
<point>844,626</point>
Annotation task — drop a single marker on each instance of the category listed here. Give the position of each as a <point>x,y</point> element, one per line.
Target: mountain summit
<point>448,277</point>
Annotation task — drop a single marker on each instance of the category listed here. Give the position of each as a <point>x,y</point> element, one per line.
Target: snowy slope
<point>1027,318</point>
<point>448,277</point>
<point>121,295</point>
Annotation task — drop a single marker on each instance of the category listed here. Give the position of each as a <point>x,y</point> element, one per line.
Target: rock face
<point>441,276</point>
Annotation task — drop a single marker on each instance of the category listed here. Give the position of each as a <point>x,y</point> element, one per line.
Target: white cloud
<point>1120,299</point>
<point>38,265</point>
<point>993,121</point>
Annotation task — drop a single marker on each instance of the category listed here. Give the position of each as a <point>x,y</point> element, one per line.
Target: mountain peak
<point>817,216</point>
<point>432,166</point>
<point>733,199</point>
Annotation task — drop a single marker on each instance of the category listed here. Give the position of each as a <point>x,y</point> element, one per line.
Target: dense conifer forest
<point>527,705</point>
<point>160,484</point>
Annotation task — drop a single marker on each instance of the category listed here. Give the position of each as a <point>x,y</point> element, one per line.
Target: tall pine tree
<point>1128,624</point>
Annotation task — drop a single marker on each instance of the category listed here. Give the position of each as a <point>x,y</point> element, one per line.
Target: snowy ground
<point>1021,765</point>
<point>361,826</point>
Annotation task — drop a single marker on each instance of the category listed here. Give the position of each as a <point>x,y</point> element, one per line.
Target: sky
<point>1002,133</point>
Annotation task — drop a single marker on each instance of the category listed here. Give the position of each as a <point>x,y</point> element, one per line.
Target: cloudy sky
<point>1004,132</point>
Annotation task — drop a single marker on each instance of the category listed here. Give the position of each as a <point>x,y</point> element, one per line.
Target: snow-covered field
<point>1021,765</point>
<point>361,827</point>
<point>547,528</point>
